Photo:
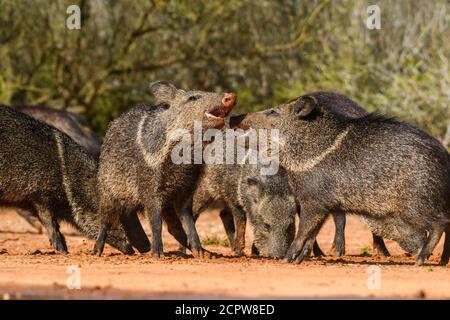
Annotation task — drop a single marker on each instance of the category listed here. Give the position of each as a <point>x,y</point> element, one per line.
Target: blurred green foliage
<point>266,51</point>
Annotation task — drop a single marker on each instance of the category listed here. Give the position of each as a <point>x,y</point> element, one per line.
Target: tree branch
<point>268,50</point>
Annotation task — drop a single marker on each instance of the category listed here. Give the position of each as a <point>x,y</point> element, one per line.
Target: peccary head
<point>272,215</point>
<point>288,115</point>
<point>306,128</point>
<point>210,107</point>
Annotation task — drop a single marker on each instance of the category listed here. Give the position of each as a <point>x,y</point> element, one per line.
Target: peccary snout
<point>234,121</point>
<point>273,224</point>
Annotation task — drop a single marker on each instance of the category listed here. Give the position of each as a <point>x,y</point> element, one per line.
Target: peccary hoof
<point>255,251</point>
<point>128,249</point>
<point>143,248</point>
<point>60,245</point>
<point>239,253</point>
<point>182,249</point>
<point>198,252</point>
<point>286,260</point>
<point>157,254</point>
<point>98,249</point>
<point>443,262</point>
<point>96,252</point>
<point>383,252</point>
<point>420,261</point>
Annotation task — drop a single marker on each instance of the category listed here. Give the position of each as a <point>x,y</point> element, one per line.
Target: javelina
<point>45,172</point>
<point>373,166</point>
<point>269,203</point>
<point>137,171</point>
<point>239,191</point>
<point>346,106</point>
<point>70,124</point>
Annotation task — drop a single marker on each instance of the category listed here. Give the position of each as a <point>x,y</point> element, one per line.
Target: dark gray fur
<point>70,124</point>
<point>240,191</point>
<point>136,170</point>
<point>372,166</point>
<point>45,172</point>
<point>219,187</point>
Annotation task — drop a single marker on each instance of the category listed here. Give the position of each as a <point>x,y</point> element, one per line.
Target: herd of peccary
<point>334,157</point>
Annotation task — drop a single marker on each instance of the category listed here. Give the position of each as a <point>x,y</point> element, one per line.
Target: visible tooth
<point>210,115</point>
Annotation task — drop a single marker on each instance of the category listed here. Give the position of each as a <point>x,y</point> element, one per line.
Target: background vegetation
<point>266,51</point>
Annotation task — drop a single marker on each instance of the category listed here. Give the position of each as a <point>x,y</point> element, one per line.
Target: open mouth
<point>216,113</point>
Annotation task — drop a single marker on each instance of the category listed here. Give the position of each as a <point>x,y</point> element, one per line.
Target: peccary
<point>239,191</point>
<point>137,171</point>
<point>218,190</point>
<point>373,166</point>
<point>45,172</point>
<point>70,124</point>
<point>346,106</point>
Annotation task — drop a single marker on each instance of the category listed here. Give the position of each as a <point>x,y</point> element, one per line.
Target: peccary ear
<point>163,90</point>
<point>304,105</point>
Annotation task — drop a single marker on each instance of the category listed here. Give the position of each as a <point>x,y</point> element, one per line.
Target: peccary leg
<point>379,247</point>
<point>175,228</point>
<point>432,240</point>
<point>309,226</point>
<point>446,252</point>
<point>338,246</point>
<point>31,219</point>
<point>154,214</point>
<point>50,223</point>
<point>227,219</point>
<point>240,222</point>
<point>106,209</point>
<point>308,247</point>
<point>134,231</point>
<point>193,239</point>
<point>101,239</point>
<point>255,251</point>
<point>316,250</point>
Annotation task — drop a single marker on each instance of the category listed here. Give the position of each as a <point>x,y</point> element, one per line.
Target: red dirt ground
<point>29,268</point>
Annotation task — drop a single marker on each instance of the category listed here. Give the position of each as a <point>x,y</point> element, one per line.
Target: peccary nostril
<point>229,99</point>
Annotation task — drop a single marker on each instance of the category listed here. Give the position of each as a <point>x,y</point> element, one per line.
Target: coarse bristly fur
<point>72,125</point>
<point>277,218</point>
<point>345,106</point>
<point>69,123</point>
<point>45,172</point>
<point>137,172</point>
<point>240,192</point>
<point>372,166</point>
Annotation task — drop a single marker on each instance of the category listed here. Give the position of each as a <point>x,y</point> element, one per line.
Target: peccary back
<point>69,123</point>
<point>45,172</point>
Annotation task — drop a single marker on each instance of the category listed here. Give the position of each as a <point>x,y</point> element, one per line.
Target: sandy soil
<point>29,268</point>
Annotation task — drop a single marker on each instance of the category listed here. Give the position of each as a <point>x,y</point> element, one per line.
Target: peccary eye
<point>272,113</point>
<point>193,98</point>
<point>267,227</point>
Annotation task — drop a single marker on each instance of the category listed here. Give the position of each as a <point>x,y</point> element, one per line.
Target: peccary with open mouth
<point>140,167</point>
